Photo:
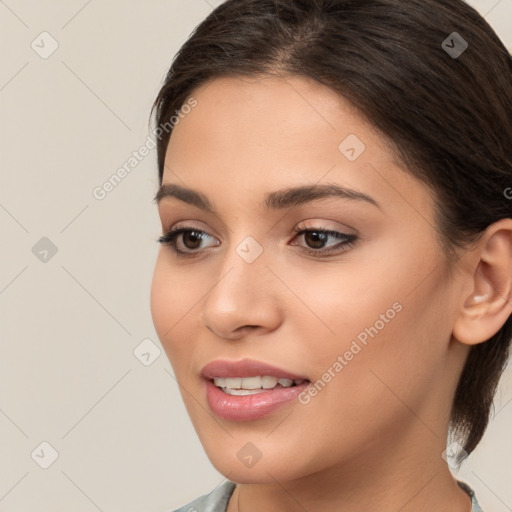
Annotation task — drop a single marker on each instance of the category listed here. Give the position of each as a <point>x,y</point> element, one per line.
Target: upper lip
<point>245,368</point>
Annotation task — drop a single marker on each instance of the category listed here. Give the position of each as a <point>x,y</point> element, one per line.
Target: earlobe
<point>488,306</point>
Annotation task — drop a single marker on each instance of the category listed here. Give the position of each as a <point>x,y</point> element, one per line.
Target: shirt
<point>218,499</point>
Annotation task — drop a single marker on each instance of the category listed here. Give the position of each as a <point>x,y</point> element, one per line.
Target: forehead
<point>272,110</point>
<point>261,134</point>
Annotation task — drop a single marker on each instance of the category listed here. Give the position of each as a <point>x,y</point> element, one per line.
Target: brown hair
<point>449,117</point>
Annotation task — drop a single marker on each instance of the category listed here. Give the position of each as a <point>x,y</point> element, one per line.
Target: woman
<point>333,287</point>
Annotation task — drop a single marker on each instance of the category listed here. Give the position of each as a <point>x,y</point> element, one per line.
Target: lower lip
<point>249,407</point>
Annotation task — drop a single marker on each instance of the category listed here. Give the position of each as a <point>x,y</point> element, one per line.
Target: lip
<point>248,407</point>
<point>245,368</point>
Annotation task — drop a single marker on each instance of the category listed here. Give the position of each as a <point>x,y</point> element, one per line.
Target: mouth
<point>247,390</point>
<point>254,385</point>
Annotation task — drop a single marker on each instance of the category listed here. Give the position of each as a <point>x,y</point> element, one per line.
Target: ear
<point>488,276</point>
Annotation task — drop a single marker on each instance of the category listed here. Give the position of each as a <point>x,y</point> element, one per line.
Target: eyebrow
<point>280,199</point>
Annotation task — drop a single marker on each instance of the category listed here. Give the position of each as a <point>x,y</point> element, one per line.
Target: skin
<point>372,439</point>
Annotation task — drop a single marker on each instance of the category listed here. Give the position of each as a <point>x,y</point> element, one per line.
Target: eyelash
<point>347,240</point>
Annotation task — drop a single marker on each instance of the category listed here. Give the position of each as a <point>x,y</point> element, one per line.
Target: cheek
<point>391,367</point>
<point>160,299</point>
<point>344,301</point>
<point>170,301</point>
<point>385,319</point>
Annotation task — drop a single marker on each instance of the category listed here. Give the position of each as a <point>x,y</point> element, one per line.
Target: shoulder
<point>475,505</point>
<point>214,501</point>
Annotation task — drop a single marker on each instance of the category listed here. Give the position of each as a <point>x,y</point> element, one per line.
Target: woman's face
<point>366,318</point>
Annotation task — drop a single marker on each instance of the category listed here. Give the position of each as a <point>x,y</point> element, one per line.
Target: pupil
<point>196,239</point>
<point>318,239</point>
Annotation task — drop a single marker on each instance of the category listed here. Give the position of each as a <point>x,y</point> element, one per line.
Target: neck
<point>414,478</point>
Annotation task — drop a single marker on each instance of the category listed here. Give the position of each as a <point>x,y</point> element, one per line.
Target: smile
<point>253,385</point>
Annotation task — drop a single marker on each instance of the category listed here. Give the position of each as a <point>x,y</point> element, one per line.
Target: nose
<point>244,299</point>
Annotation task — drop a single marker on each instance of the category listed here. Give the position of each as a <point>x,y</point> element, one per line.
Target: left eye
<point>315,238</point>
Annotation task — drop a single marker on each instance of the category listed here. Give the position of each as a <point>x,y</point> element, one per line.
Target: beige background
<point>69,326</point>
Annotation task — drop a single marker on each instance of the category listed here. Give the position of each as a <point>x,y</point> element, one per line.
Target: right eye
<point>185,236</point>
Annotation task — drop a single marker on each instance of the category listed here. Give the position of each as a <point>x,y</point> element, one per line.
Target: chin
<point>241,462</point>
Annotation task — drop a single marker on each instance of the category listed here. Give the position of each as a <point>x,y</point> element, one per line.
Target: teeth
<point>219,382</point>
<point>246,383</point>
<point>268,382</point>
<point>252,385</point>
<point>234,383</point>
<point>241,391</point>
